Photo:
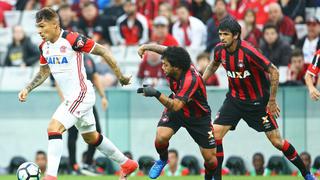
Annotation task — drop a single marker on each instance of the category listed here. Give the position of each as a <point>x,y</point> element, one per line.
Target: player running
<point>186,107</point>
<point>313,71</point>
<point>62,55</point>
<point>252,94</point>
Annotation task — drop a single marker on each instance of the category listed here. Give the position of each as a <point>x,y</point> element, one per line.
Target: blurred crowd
<point>177,166</point>
<point>285,31</point>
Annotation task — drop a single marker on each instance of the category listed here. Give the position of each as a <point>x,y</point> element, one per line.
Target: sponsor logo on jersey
<point>57,60</point>
<point>238,75</point>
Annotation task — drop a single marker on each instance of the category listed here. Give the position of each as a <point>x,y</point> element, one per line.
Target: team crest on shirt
<point>240,64</point>
<point>63,49</point>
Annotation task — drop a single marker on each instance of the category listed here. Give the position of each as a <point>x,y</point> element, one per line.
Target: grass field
<point>166,178</point>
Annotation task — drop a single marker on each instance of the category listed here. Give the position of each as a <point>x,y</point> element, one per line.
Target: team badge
<point>63,49</point>
<point>240,64</point>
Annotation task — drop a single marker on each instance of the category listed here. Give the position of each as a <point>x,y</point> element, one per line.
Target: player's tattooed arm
<point>171,104</point>
<point>106,55</point>
<point>274,81</point>
<point>151,47</point>
<point>40,77</point>
<point>211,68</point>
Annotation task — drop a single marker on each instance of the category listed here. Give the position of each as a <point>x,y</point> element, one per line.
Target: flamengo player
<point>312,71</point>
<point>186,107</point>
<point>61,54</point>
<point>249,96</point>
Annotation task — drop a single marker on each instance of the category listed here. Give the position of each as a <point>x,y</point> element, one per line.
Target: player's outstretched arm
<point>274,81</point>
<point>211,68</point>
<point>170,104</point>
<point>151,47</point>
<point>313,91</point>
<point>41,76</point>
<point>106,55</point>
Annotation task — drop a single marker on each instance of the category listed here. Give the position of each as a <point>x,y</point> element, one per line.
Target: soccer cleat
<point>156,169</point>
<point>48,177</point>
<point>88,170</point>
<point>310,176</point>
<point>127,168</point>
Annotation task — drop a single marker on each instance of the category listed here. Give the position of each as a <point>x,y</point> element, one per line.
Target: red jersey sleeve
<point>80,42</point>
<point>187,87</point>
<point>42,60</point>
<point>315,66</point>
<point>216,53</point>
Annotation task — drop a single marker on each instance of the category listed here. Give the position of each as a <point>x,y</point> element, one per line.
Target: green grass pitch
<point>165,178</point>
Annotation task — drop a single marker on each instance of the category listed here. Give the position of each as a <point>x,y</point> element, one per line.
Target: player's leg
<point>169,124</point>
<point>210,162</point>
<point>72,139</point>
<point>289,151</point>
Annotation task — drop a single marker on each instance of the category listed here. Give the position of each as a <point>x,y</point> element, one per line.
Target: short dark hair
<point>173,151</point>
<point>41,153</point>
<point>306,154</point>
<point>296,53</point>
<point>183,5</point>
<point>46,14</point>
<point>223,1</point>
<point>258,154</point>
<point>230,24</point>
<point>203,55</point>
<point>64,6</point>
<point>89,3</point>
<point>270,26</point>
<point>177,57</point>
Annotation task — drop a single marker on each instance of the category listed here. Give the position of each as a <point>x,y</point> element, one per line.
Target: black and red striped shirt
<point>191,89</point>
<point>247,71</point>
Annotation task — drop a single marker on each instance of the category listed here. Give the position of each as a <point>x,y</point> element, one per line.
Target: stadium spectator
<point>133,26</point>
<point>160,33</point>
<point>114,11</point>
<point>188,30</point>
<point>54,4</point>
<point>312,72</point>
<point>41,161</point>
<point>203,60</point>
<point>148,8</point>
<point>165,9</point>
<point>66,16</point>
<point>237,8</point>
<point>77,5</point>
<point>250,32</point>
<point>311,42</point>
<point>21,52</point>
<point>284,24</point>
<point>220,12</point>
<point>150,70</point>
<point>201,10</point>
<point>258,165</point>
<point>297,69</point>
<point>174,168</point>
<point>108,78</point>
<point>92,25</point>
<point>295,9</point>
<point>26,5</point>
<point>273,47</point>
<point>260,7</point>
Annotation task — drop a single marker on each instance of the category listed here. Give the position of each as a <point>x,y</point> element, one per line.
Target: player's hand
<point>23,94</point>
<point>124,80</point>
<point>149,91</point>
<point>273,108</point>
<point>141,51</point>
<point>314,94</point>
<point>104,103</point>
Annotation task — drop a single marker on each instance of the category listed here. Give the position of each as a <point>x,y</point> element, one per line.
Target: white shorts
<point>82,116</point>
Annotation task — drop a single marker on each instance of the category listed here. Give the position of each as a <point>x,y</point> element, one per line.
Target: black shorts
<point>200,129</point>
<point>255,116</point>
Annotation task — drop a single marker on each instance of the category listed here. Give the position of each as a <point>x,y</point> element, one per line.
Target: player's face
<point>227,38</point>
<point>47,30</point>
<point>167,68</point>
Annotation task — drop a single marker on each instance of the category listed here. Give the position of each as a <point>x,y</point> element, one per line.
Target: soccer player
<point>313,71</point>
<point>62,55</point>
<point>251,95</point>
<point>186,107</point>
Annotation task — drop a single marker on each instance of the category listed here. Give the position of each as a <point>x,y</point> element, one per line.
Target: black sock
<point>162,150</point>
<point>90,154</point>
<point>291,154</point>
<point>210,169</point>
<point>72,140</point>
<point>220,156</point>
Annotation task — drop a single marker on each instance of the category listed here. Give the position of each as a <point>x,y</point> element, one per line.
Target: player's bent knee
<point>91,137</point>
<point>277,143</point>
<point>162,138</point>
<point>55,126</point>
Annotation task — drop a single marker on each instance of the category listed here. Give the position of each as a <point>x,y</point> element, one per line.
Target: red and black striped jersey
<point>247,71</point>
<point>190,89</point>
<point>314,68</point>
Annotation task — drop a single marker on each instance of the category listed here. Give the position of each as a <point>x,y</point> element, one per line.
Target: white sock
<point>111,151</point>
<point>55,146</point>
